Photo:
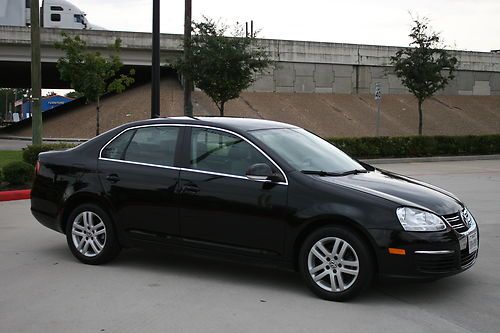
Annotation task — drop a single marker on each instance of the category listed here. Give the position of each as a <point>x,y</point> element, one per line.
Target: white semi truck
<point>54,14</point>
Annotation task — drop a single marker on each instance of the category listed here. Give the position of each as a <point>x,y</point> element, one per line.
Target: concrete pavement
<point>44,289</point>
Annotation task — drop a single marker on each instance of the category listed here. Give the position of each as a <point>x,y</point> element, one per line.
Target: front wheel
<point>335,263</point>
<point>90,235</point>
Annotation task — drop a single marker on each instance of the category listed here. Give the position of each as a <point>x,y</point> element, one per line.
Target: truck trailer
<point>53,14</point>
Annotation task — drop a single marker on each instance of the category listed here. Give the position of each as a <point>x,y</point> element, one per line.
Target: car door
<point>220,206</point>
<point>139,177</point>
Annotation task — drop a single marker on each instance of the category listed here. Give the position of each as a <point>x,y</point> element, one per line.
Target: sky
<point>472,25</point>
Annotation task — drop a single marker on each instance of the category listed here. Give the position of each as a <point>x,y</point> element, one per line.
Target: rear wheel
<point>335,263</point>
<point>90,235</point>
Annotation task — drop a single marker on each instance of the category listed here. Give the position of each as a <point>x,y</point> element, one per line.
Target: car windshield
<point>307,152</point>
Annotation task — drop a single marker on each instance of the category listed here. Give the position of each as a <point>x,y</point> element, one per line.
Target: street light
<point>188,84</point>
<point>36,74</point>
<point>155,66</point>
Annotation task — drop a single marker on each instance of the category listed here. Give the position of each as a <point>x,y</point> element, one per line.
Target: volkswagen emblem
<point>466,218</point>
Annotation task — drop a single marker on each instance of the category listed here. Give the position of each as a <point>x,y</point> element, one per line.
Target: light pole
<point>188,84</point>
<point>36,74</point>
<point>155,62</point>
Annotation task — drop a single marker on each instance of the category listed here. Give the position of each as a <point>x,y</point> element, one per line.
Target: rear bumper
<point>47,220</point>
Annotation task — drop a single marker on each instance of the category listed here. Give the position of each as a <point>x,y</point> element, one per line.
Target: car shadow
<point>212,269</point>
<point>381,292</point>
<point>416,292</point>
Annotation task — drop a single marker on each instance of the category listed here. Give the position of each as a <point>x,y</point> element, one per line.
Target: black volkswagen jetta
<point>251,190</point>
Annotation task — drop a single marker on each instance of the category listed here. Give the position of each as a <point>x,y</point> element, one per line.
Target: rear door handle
<point>113,178</point>
<point>192,189</point>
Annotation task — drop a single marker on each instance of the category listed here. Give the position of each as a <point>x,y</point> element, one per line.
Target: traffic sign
<point>378,92</point>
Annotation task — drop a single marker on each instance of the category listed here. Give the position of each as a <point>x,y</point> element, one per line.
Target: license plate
<point>472,240</point>
<point>463,243</point>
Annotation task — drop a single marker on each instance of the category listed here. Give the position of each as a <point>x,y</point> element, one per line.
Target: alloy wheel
<point>333,264</point>
<point>88,233</point>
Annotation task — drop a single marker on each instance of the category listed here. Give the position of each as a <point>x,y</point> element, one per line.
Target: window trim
<point>181,138</point>
<point>140,163</point>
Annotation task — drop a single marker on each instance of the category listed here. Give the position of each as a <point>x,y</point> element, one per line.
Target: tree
<point>74,94</point>
<point>8,97</point>
<point>425,68</point>
<point>222,66</point>
<point>91,73</point>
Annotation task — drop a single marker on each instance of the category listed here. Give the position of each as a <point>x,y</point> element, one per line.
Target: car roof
<point>230,123</point>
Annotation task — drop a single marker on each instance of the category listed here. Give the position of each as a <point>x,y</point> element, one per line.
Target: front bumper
<point>428,255</point>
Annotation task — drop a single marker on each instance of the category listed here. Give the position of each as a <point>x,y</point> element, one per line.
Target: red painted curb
<point>15,195</point>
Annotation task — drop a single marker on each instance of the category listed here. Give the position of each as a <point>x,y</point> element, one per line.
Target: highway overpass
<point>302,66</point>
<point>15,52</point>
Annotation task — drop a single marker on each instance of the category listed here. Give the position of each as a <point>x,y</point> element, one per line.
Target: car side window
<point>222,152</point>
<point>116,149</point>
<point>55,17</point>
<point>153,145</point>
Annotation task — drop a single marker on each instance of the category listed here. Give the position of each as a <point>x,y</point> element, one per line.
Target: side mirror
<point>259,171</point>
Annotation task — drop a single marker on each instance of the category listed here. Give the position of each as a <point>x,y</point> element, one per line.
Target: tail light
<point>37,167</point>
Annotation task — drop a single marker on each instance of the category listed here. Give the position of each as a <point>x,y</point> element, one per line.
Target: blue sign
<point>48,103</point>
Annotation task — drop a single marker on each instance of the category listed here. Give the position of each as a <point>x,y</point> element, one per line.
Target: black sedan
<point>256,191</point>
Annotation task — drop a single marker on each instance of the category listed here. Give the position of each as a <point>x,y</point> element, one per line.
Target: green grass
<point>7,156</point>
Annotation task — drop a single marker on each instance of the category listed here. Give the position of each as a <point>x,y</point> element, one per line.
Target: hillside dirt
<point>329,115</point>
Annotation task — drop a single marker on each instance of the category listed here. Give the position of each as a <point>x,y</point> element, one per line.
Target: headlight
<point>413,219</point>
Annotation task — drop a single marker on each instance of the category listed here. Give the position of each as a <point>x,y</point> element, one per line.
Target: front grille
<point>466,259</point>
<point>436,263</point>
<point>445,263</point>
<point>455,220</point>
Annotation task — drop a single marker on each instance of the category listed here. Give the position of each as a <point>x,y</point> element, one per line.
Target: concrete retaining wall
<point>352,79</point>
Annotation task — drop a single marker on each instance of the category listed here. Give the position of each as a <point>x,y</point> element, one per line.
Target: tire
<point>91,236</point>
<point>336,263</point>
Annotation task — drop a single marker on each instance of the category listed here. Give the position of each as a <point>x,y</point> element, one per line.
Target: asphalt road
<point>7,144</point>
<point>44,289</point>
<point>13,144</point>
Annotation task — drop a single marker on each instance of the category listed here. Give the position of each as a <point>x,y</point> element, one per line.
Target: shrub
<point>30,153</point>
<point>18,173</point>
<point>419,146</point>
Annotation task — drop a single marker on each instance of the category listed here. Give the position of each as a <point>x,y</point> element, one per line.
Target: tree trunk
<point>221,109</point>
<point>97,117</point>
<point>420,116</point>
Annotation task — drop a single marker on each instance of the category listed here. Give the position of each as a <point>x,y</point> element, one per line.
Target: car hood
<point>400,189</point>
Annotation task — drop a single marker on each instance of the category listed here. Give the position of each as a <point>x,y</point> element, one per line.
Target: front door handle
<point>191,189</point>
<point>113,178</point>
